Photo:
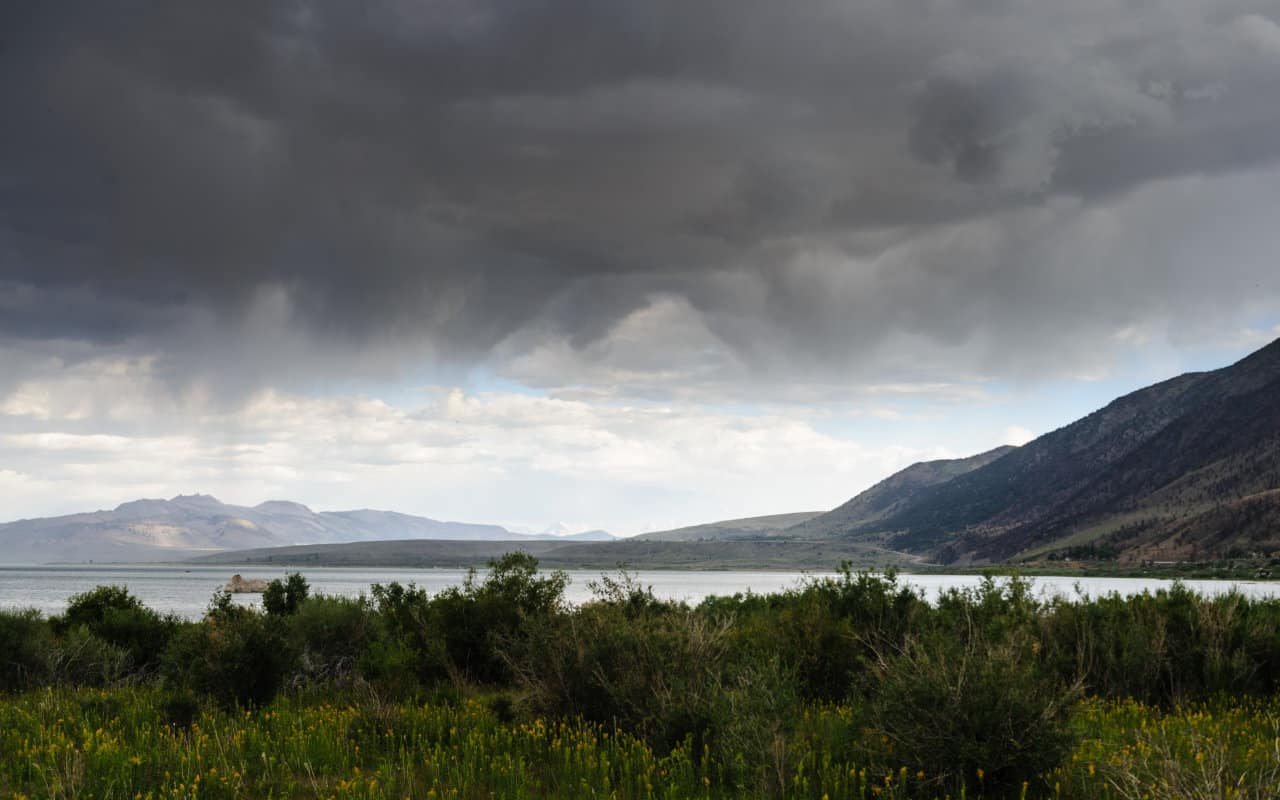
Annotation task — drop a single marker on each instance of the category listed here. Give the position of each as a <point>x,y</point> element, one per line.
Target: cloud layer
<point>492,456</point>
<point>562,191</point>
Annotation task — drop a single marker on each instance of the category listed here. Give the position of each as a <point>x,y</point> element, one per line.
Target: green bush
<point>828,631</point>
<point>1166,647</point>
<point>333,635</point>
<point>460,634</point>
<point>967,711</point>
<point>819,644</point>
<point>480,620</point>
<point>118,618</point>
<point>281,598</point>
<point>179,709</point>
<point>82,658</point>
<point>236,655</point>
<point>653,668</point>
<point>26,642</point>
<point>408,651</point>
<point>754,719</point>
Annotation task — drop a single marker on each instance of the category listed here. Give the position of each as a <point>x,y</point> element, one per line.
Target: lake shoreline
<point>187,589</point>
<point>1196,571</point>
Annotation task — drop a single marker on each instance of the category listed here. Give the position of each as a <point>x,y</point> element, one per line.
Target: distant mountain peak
<point>202,499</point>
<point>141,502</point>
<point>188,524</point>
<point>282,507</point>
<point>560,530</point>
<point>593,535</point>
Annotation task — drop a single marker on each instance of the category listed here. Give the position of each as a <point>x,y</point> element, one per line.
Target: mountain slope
<point>1169,470</point>
<point>891,495</point>
<point>367,524</point>
<point>745,528</point>
<point>1206,483</point>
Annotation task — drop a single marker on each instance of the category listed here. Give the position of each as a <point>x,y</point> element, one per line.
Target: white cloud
<point>1017,435</point>
<point>483,456</point>
<point>104,387</point>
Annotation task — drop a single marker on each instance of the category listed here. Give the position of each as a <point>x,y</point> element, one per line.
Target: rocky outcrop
<point>239,585</point>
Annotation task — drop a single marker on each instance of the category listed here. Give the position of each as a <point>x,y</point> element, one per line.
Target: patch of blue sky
<point>970,426</point>
<point>414,387</point>
<point>486,380</point>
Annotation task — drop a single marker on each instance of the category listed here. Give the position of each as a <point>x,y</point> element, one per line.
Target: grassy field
<point>1226,749</point>
<point>131,743</point>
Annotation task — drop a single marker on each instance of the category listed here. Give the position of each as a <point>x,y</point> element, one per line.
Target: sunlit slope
<point>745,528</point>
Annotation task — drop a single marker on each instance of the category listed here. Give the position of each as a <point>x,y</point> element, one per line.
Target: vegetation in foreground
<point>62,743</point>
<point>848,687</point>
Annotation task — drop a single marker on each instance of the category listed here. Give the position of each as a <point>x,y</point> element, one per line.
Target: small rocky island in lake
<point>239,585</point>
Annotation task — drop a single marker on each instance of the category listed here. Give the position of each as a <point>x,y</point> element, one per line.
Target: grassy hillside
<point>745,528</point>
<point>632,553</point>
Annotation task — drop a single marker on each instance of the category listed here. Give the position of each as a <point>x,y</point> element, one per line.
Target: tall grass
<point>118,744</point>
<point>121,743</point>
<point>1226,748</point>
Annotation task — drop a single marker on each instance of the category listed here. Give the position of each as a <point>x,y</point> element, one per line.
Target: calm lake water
<point>187,590</point>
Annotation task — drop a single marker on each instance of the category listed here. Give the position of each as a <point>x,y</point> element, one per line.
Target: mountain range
<point>189,525</point>
<point>1186,469</point>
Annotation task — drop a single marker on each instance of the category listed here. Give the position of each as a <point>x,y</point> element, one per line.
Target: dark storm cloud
<point>457,172</point>
<point>959,125</point>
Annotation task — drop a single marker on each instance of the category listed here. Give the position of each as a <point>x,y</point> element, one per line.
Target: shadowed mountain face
<point>892,495</point>
<point>1185,469</point>
<point>153,530</point>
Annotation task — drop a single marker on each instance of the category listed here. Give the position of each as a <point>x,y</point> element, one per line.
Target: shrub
<point>179,709</point>
<point>754,721</point>
<point>461,633</point>
<point>968,711</point>
<point>118,618</point>
<point>26,642</point>
<point>1000,608</point>
<point>332,634</point>
<point>819,644</point>
<point>481,619</point>
<point>407,650</point>
<point>1166,647</point>
<point>90,608</point>
<point>236,655</point>
<point>652,668</point>
<point>828,631</point>
<point>81,658</point>
<point>281,598</point>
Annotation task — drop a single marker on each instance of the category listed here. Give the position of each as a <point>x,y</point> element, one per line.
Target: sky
<point>609,264</point>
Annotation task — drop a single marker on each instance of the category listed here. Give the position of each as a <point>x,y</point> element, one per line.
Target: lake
<point>186,591</point>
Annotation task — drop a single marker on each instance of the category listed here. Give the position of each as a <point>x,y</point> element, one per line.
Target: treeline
<point>974,690</point>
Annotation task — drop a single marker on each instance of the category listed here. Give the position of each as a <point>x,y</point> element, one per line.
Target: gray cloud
<point>827,185</point>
